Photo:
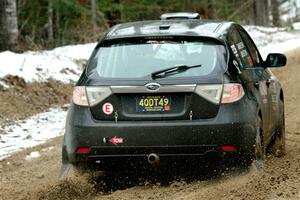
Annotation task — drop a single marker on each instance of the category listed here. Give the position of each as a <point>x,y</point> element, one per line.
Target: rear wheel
<point>278,147</point>
<point>259,148</point>
<point>69,170</point>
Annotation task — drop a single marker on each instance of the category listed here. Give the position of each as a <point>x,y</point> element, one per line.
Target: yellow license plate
<point>153,103</point>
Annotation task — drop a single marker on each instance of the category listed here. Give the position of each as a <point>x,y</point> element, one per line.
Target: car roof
<point>176,27</point>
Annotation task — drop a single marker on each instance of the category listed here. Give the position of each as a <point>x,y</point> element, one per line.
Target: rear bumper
<point>234,125</point>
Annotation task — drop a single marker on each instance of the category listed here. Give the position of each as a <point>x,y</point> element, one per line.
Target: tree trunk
<point>9,25</point>
<point>57,24</point>
<point>212,9</point>
<point>94,17</point>
<point>260,12</point>
<point>267,12</point>
<point>103,26</point>
<point>249,14</point>
<point>50,21</point>
<point>275,13</point>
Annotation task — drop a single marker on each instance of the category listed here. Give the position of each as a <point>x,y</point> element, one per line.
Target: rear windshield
<point>138,59</point>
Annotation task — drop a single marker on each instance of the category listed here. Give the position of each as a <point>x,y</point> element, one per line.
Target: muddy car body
<point>189,88</point>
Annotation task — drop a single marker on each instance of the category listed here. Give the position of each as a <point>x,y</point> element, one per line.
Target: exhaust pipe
<point>153,159</point>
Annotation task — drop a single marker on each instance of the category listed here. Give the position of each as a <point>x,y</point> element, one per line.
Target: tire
<point>259,147</point>
<point>278,147</point>
<point>69,170</point>
<point>75,170</point>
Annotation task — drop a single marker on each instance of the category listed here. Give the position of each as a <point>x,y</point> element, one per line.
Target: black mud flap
<point>66,170</point>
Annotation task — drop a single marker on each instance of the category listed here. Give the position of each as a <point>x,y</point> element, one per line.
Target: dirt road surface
<point>38,178</point>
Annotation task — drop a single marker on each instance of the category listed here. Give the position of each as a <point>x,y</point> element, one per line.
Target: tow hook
<point>153,159</point>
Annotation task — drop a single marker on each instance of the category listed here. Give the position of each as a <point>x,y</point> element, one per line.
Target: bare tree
<point>50,21</point>
<point>9,25</point>
<point>267,12</point>
<point>94,17</point>
<point>57,23</point>
<point>261,12</point>
<point>212,9</point>
<point>275,13</point>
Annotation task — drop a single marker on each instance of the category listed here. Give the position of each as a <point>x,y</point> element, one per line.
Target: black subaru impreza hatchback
<point>179,87</point>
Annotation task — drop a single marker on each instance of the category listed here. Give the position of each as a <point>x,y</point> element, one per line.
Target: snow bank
<point>289,10</point>
<point>296,26</point>
<point>273,40</point>
<point>62,63</point>
<point>33,131</point>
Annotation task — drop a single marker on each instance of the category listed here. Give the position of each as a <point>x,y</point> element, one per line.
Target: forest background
<point>45,24</point>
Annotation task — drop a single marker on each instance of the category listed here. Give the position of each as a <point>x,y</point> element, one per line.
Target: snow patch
<point>273,40</point>
<point>289,10</point>
<point>47,149</point>
<point>3,86</point>
<point>34,154</point>
<point>61,63</point>
<point>32,131</point>
<point>296,26</point>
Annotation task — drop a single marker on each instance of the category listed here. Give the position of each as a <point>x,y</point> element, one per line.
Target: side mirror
<point>275,60</point>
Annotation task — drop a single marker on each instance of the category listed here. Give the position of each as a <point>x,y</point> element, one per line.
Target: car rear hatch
<point>140,103</point>
<point>151,79</point>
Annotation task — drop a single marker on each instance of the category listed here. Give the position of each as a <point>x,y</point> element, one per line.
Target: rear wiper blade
<point>172,70</point>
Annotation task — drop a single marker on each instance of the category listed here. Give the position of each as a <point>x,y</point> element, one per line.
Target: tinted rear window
<point>138,59</point>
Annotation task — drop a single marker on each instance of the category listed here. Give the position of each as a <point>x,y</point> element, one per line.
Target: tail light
<point>227,93</point>
<point>232,92</point>
<point>228,148</point>
<point>79,96</point>
<point>211,93</point>
<point>83,150</point>
<point>90,96</point>
<point>97,94</point>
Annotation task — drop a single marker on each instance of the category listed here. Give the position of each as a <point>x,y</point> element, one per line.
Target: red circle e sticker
<point>108,108</point>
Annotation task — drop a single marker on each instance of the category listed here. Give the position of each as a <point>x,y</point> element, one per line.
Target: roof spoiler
<point>180,15</point>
